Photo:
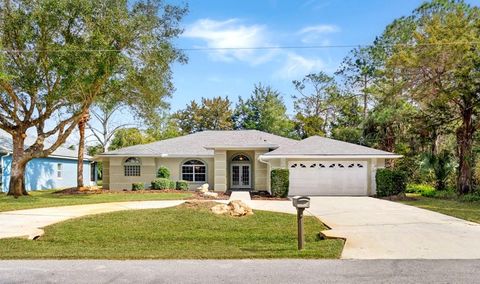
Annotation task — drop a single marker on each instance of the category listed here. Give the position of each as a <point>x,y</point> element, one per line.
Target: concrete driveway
<point>379,229</point>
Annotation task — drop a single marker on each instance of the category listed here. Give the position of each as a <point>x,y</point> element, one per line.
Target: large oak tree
<point>58,55</point>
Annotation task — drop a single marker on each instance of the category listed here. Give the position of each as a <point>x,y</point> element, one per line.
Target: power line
<point>254,47</point>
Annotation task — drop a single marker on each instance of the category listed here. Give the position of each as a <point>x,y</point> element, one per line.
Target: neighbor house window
<point>194,171</point>
<point>59,170</point>
<point>131,167</point>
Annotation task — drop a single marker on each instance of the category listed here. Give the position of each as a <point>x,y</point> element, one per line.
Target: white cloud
<point>317,33</point>
<point>231,33</point>
<point>297,66</point>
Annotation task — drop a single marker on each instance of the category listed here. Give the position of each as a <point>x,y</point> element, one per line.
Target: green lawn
<point>182,232</point>
<point>465,210</point>
<point>46,198</point>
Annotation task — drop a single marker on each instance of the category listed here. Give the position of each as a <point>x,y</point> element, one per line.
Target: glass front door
<point>241,176</point>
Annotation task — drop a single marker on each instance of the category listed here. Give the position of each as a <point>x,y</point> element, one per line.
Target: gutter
<point>306,156</point>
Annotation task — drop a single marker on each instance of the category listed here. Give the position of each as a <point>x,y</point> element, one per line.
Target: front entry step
<point>240,195</point>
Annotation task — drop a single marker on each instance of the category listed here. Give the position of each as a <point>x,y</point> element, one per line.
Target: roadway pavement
<point>240,271</point>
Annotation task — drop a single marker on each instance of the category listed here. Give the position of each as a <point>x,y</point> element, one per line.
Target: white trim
<point>306,156</point>
<point>242,147</point>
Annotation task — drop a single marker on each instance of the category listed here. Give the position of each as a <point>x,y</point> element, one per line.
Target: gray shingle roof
<point>61,152</point>
<point>201,144</point>
<point>321,146</point>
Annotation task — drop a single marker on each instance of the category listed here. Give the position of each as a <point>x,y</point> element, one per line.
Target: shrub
<point>173,185</point>
<point>431,192</point>
<point>182,185</point>
<point>471,197</point>
<point>446,194</point>
<point>418,188</point>
<point>390,182</point>
<point>138,186</point>
<point>279,182</point>
<point>163,172</point>
<point>161,183</point>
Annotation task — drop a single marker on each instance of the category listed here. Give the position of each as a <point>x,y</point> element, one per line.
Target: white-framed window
<point>132,167</point>
<point>59,170</point>
<point>194,171</point>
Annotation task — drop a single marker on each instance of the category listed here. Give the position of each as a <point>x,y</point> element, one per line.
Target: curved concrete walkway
<point>29,223</point>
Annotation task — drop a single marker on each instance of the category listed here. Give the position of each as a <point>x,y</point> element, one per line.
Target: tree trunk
<point>465,152</point>
<point>19,164</point>
<point>81,151</point>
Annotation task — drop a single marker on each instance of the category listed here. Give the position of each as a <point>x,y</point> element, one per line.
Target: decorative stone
<point>220,209</point>
<point>203,188</point>
<point>210,194</point>
<point>234,208</point>
<point>239,208</point>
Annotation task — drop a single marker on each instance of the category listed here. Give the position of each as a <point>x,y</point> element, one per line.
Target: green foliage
<point>449,96</point>
<point>129,137</point>
<point>390,182</point>
<point>59,57</point>
<point>162,183</point>
<point>182,185</point>
<point>173,185</point>
<point>471,197</point>
<point>442,166</point>
<point>279,182</point>
<point>429,192</point>
<point>163,172</point>
<point>211,114</point>
<point>264,111</point>
<point>138,186</point>
<point>418,188</point>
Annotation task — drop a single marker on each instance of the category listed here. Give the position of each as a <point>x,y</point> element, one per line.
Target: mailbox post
<point>301,203</point>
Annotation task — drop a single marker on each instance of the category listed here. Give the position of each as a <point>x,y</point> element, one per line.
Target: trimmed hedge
<point>138,186</point>
<point>390,182</point>
<point>181,185</point>
<point>173,184</point>
<point>162,183</point>
<point>163,172</point>
<point>279,182</point>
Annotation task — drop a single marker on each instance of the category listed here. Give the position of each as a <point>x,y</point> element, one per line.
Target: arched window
<point>131,167</point>
<point>240,158</point>
<point>194,171</point>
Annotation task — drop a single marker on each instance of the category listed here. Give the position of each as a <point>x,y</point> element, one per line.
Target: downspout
<point>269,166</point>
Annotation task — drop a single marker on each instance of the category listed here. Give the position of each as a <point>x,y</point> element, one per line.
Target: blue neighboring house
<point>57,171</point>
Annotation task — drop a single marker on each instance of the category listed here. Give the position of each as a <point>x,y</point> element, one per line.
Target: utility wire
<point>256,47</point>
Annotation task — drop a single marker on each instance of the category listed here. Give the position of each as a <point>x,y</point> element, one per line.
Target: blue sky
<point>250,23</point>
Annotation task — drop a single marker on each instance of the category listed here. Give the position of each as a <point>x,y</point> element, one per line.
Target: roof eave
<point>106,155</point>
<point>241,147</point>
<point>332,156</point>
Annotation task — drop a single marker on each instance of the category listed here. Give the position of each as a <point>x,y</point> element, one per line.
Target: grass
<point>47,198</point>
<point>469,211</point>
<point>183,232</point>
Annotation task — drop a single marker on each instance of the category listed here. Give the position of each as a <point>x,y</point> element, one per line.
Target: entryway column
<point>220,165</point>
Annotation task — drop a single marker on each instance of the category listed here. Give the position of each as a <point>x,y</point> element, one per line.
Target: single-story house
<point>59,170</point>
<point>243,160</point>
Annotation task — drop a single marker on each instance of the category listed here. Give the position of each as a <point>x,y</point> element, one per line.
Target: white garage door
<point>328,178</point>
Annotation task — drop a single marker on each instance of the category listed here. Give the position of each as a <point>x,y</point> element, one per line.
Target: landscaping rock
<point>210,194</point>
<point>239,208</point>
<point>220,209</point>
<point>203,188</point>
<point>234,208</point>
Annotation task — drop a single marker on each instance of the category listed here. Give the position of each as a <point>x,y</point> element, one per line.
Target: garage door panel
<point>328,178</point>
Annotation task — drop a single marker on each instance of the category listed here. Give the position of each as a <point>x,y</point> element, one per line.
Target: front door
<point>241,177</point>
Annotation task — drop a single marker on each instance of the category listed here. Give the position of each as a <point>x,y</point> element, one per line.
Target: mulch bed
<point>400,197</point>
<point>195,195</point>
<point>74,191</point>
<point>263,195</point>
